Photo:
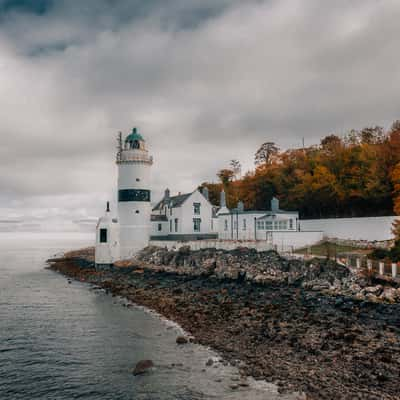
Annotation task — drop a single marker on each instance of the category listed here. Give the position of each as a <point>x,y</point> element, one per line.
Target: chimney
<point>240,206</point>
<point>274,204</point>
<point>205,192</point>
<point>166,194</point>
<point>222,199</point>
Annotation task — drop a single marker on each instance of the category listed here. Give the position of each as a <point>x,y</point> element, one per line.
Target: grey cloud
<point>204,81</point>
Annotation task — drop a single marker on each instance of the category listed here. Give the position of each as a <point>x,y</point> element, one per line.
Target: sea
<point>66,340</point>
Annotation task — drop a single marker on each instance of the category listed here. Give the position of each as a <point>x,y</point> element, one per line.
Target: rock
<point>181,340</point>
<point>209,362</point>
<point>142,367</point>
<point>375,290</point>
<point>390,294</point>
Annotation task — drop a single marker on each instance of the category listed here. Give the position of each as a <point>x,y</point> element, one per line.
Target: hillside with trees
<point>353,176</point>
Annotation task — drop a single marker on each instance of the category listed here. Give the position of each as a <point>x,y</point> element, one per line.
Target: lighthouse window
<point>196,224</point>
<point>134,195</point>
<point>103,235</point>
<point>159,227</point>
<point>137,180</point>
<point>137,211</point>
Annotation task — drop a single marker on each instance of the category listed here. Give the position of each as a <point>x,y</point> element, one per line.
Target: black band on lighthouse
<point>134,195</point>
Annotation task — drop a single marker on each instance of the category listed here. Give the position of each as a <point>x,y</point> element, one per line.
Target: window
<point>170,211</point>
<point>103,235</point>
<point>258,224</point>
<point>170,225</point>
<point>282,225</point>
<point>196,224</point>
<point>276,225</point>
<point>137,211</point>
<point>159,227</point>
<point>133,195</point>
<point>244,224</point>
<point>290,224</point>
<point>268,225</point>
<point>225,224</point>
<point>137,179</point>
<point>196,208</point>
<point>176,224</point>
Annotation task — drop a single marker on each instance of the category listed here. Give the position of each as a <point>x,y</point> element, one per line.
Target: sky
<point>205,81</point>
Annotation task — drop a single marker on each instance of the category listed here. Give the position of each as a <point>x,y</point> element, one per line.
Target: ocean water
<point>70,341</point>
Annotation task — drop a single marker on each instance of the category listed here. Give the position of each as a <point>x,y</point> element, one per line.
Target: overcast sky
<point>205,81</point>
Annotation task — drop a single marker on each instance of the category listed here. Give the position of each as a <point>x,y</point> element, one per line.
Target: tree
<point>396,189</point>
<point>236,168</point>
<point>331,142</point>
<point>266,153</point>
<point>225,175</point>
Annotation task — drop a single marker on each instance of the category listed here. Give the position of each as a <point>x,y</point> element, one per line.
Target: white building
<point>238,224</point>
<point>188,216</point>
<point>131,231</point>
<point>184,217</point>
<point>107,239</point>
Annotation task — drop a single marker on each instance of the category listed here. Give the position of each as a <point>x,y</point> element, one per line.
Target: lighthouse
<point>134,194</point>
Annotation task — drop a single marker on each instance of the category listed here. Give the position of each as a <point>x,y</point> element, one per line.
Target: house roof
<point>172,202</point>
<point>159,218</point>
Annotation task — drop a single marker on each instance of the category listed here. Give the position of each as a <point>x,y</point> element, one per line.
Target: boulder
<point>375,290</point>
<point>142,367</point>
<point>390,294</point>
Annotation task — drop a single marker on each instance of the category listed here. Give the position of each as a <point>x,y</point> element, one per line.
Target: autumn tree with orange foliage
<point>351,176</point>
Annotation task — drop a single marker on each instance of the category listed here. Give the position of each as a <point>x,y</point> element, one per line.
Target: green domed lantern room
<point>134,141</point>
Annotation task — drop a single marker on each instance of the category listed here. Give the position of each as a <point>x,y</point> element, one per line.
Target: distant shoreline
<point>303,340</point>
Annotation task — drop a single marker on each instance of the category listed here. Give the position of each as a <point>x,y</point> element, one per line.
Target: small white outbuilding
<point>107,240</point>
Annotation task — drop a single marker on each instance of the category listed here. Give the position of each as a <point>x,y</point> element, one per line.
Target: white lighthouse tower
<point>134,209</point>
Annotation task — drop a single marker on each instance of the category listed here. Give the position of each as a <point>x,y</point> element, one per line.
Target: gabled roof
<point>172,201</point>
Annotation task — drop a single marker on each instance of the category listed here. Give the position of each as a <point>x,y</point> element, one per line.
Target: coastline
<point>302,340</point>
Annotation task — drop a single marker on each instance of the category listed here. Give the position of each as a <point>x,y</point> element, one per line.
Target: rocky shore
<point>309,327</point>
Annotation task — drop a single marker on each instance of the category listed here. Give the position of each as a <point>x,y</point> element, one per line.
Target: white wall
<point>368,228</point>
<point>154,228</point>
<point>109,252</point>
<point>249,232</point>
<point>292,240</point>
<point>187,214</point>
